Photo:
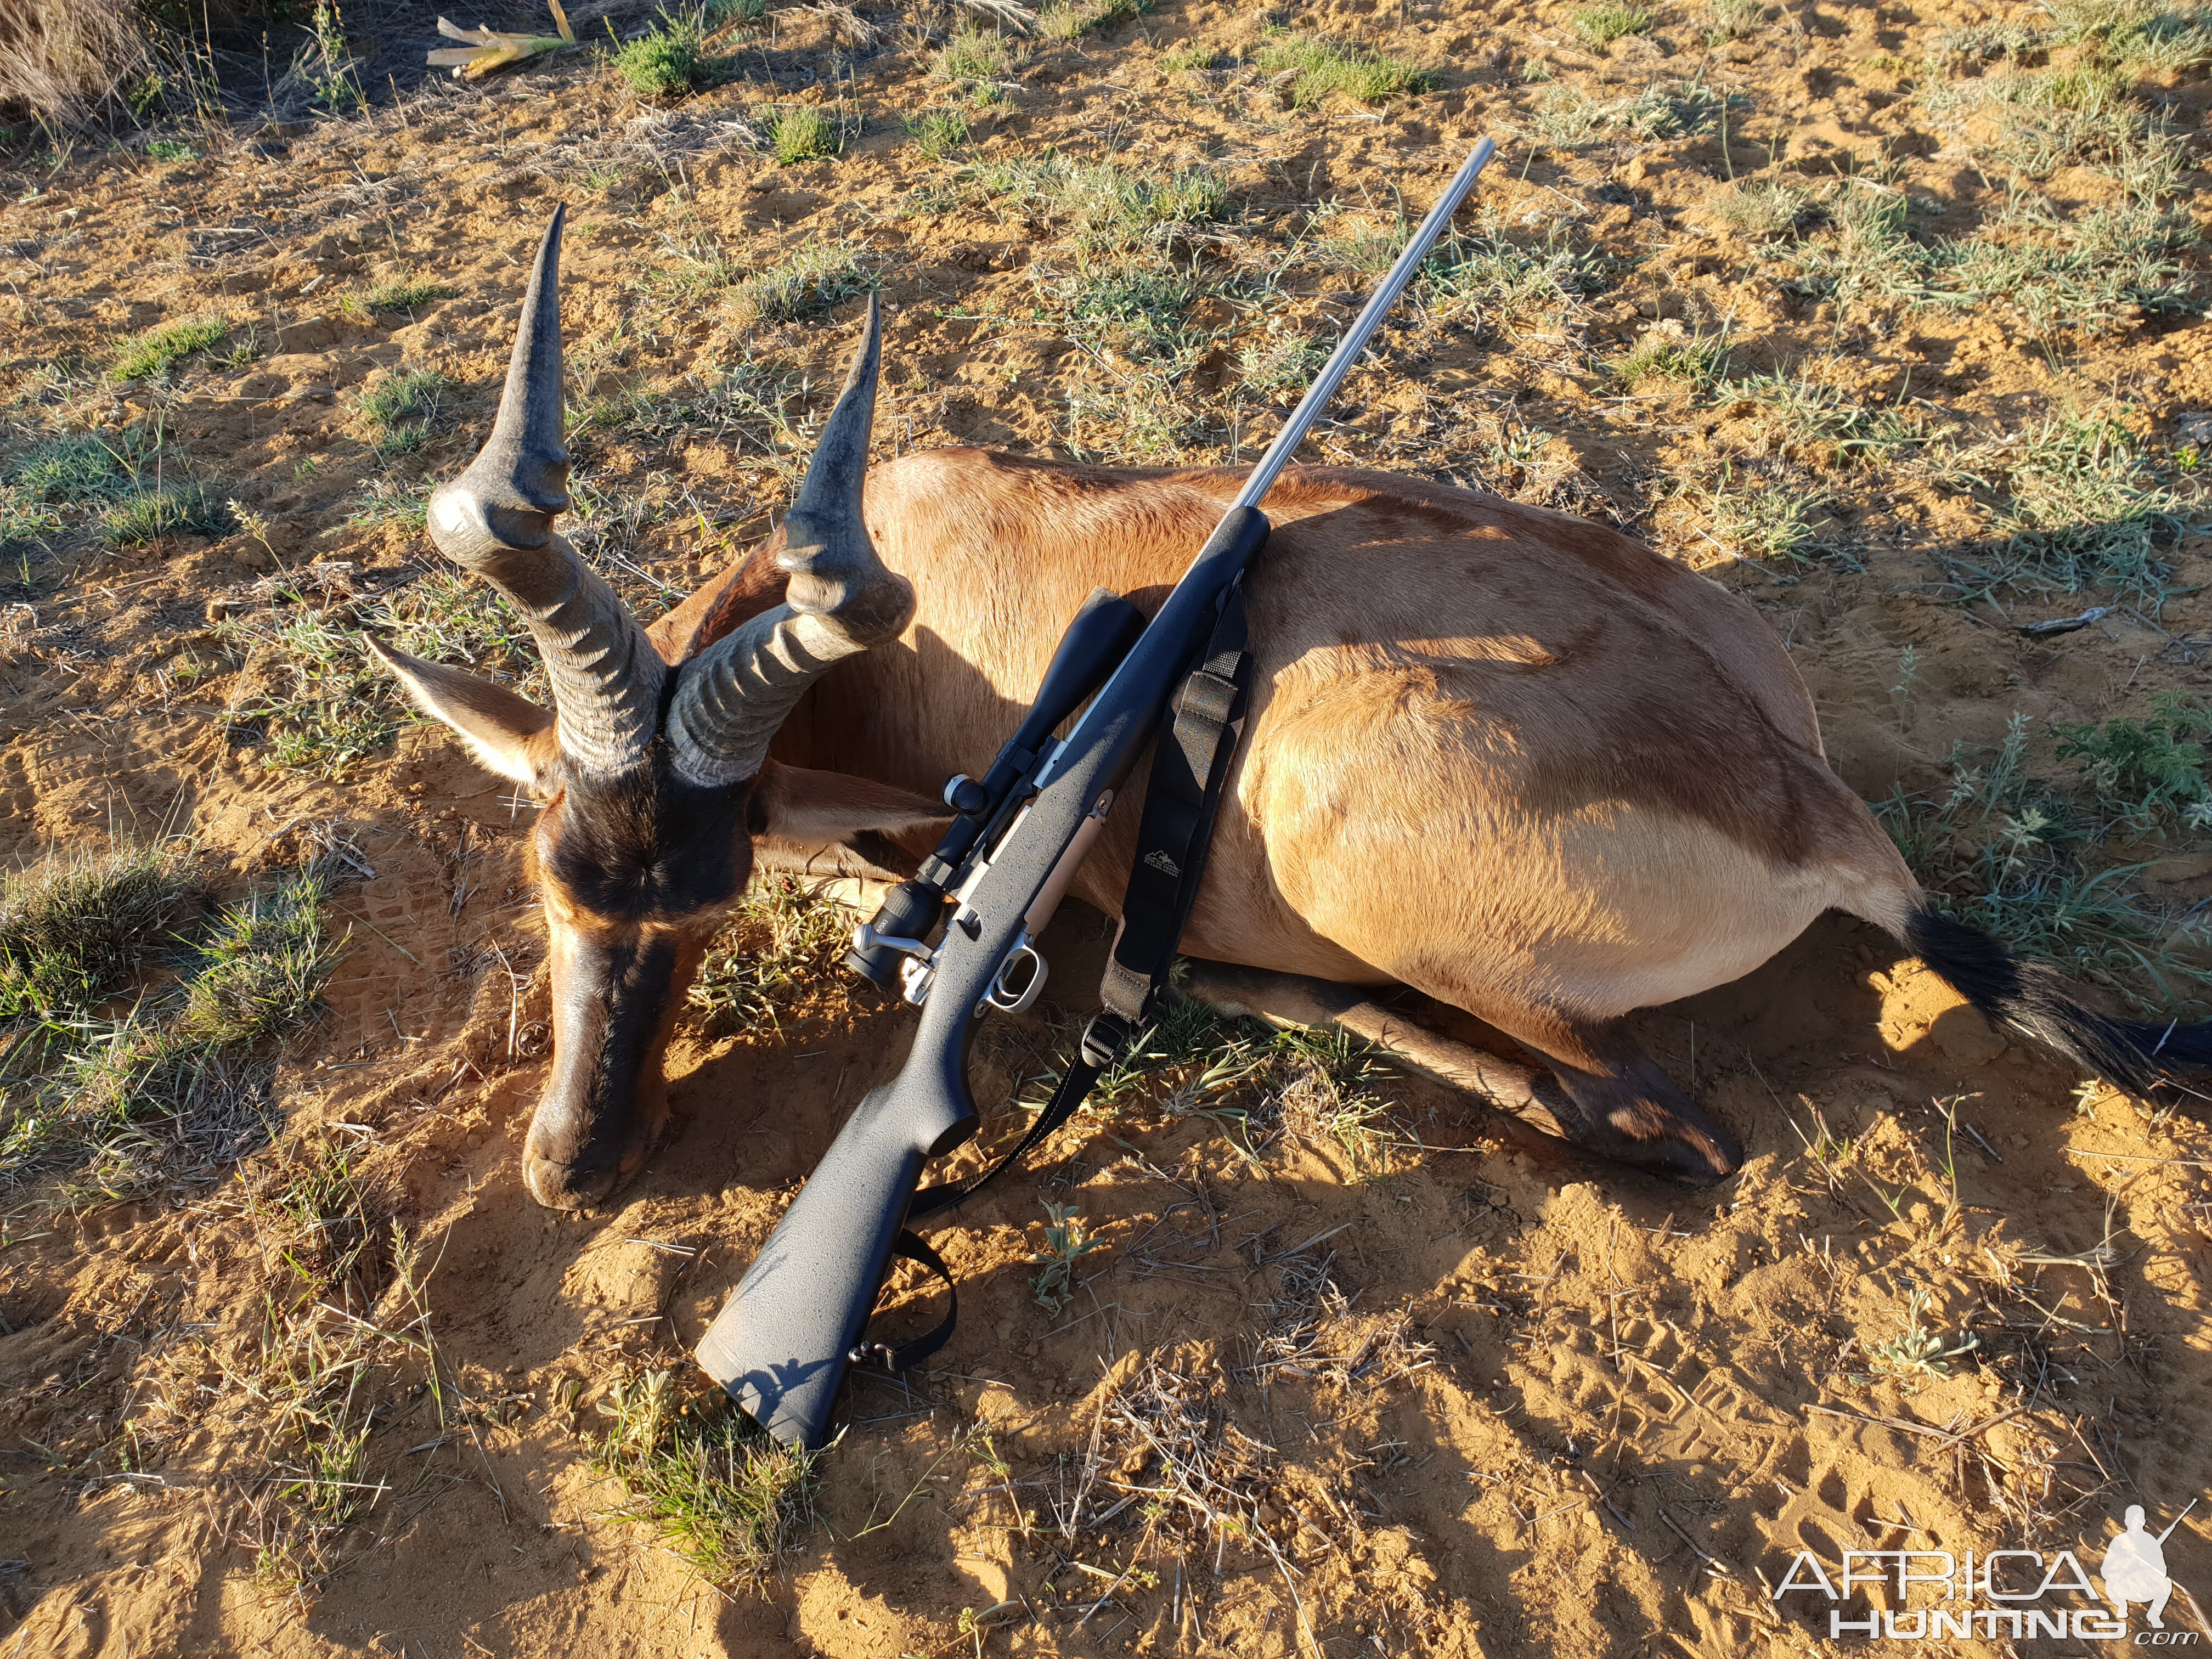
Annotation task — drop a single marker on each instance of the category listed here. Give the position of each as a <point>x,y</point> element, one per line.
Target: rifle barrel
<point>1362,329</point>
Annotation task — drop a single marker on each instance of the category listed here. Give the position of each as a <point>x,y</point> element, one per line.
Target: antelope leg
<point>1287,999</point>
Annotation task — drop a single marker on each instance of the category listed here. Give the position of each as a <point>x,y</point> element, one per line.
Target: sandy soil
<point>1607,1413</point>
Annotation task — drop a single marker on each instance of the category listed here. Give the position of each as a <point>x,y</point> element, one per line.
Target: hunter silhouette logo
<point>2015,1594</point>
<point>1161,862</point>
<point>2135,1569</point>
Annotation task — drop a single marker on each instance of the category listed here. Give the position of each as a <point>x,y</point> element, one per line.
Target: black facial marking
<point>650,844</point>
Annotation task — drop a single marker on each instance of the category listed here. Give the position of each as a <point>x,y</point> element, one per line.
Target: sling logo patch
<point>1166,865</point>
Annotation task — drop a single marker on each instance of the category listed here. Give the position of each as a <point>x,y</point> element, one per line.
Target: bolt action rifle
<point>782,1342</point>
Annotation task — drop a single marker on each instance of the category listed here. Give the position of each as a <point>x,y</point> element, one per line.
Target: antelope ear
<point>506,734</point>
<point>822,808</point>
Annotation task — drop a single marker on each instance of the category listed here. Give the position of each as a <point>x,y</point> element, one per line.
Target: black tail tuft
<point>2036,1003</point>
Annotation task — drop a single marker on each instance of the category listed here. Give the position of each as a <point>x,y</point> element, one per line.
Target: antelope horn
<point>840,600</point>
<point>496,519</point>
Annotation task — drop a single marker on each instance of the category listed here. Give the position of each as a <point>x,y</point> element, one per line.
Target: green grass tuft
<point>2011,854</point>
<point>169,150</point>
<point>1187,56</point>
<point>1667,352</point>
<point>803,133</point>
<point>1603,25</point>
<point>157,349</point>
<point>146,515</point>
<point>2147,771</point>
<point>978,62</point>
<point>398,409</point>
<point>667,61</point>
<point>1735,20</point>
<point>1066,21</point>
<point>2080,507</point>
<point>190,1064</point>
<point>1755,210</point>
<point>1318,68</point>
<point>397,294</point>
<point>782,945</point>
<point>819,276</point>
<point>937,133</point>
<point>725,1496</point>
<point>1569,117</point>
<point>80,467</point>
<point>76,930</point>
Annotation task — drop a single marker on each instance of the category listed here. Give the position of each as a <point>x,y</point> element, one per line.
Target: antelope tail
<point>2032,1000</point>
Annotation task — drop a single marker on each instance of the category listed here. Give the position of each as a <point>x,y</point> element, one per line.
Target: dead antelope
<point>1504,756</point>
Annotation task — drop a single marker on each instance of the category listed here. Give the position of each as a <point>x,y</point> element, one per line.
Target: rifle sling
<point>1190,763</point>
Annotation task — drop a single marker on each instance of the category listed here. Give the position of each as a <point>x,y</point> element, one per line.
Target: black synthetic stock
<point>2036,1002</point>
<point>781,1343</point>
<point>783,1339</point>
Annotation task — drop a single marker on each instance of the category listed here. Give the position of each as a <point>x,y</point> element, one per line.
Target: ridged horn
<point>840,600</point>
<point>496,519</point>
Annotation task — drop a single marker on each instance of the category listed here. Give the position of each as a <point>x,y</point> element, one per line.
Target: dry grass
<point>61,59</point>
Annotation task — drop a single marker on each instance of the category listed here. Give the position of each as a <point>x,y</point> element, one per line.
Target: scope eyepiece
<point>907,915</point>
<point>965,796</point>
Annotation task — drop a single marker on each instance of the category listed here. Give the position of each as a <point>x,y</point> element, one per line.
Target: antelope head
<point>652,776</point>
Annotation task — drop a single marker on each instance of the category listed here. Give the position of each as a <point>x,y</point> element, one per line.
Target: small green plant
<point>169,150</point>
<point>2040,122</point>
<point>668,60</point>
<point>1072,20</point>
<point>726,1497</point>
<point>192,1053</point>
<point>386,503</point>
<point>782,945</point>
<point>938,133</point>
<point>79,467</point>
<point>1187,56</point>
<point>146,515</point>
<point>1760,518</point>
<point>978,62</point>
<point>1735,20</point>
<point>740,13</point>
<point>2081,507</point>
<point>76,930</point>
<point>1065,1244</point>
<point>803,133</point>
<point>326,62</point>
<point>25,521</point>
<point>1113,210</point>
<point>1319,69</point>
<point>1278,364</point>
<point>1603,25</point>
<point>261,970</point>
<point>397,294</point>
<point>1756,210</point>
<point>819,276</point>
<point>1569,117</point>
<point>157,349</point>
<point>2009,854</point>
<point>398,408</point>
<point>2147,770</point>
<point>1668,352</point>
<point>1917,1354</point>
<point>1490,278</point>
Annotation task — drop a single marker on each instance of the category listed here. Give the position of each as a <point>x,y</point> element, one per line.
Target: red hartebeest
<point>1505,756</point>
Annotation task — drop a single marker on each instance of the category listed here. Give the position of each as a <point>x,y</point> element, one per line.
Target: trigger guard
<point>997,996</point>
